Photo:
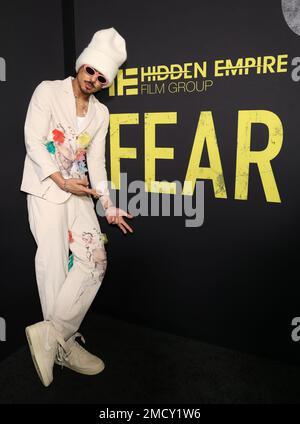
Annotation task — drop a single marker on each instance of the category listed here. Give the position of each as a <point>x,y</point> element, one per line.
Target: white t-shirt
<point>80,126</point>
<point>80,122</point>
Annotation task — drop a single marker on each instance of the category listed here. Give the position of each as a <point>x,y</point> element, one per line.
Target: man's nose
<point>94,78</point>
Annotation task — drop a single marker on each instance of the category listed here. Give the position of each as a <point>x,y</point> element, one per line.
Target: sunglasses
<point>91,71</point>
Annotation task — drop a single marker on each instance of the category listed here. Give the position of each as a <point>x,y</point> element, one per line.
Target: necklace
<point>84,108</point>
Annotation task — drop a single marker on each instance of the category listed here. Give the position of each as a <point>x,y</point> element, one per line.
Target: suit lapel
<point>69,106</point>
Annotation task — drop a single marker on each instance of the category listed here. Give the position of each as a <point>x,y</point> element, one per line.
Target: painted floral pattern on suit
<point>68,150</point>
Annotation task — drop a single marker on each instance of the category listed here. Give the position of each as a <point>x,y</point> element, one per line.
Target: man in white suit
<point>65,132</point>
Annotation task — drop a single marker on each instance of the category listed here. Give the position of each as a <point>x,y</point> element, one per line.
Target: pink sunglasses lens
<point>91,71</point>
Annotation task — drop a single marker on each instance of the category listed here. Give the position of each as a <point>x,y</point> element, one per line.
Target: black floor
<point>147,366</point>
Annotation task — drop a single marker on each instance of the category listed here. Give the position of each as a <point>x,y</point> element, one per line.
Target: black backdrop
<point>31,42</point>
<point>233,281</point>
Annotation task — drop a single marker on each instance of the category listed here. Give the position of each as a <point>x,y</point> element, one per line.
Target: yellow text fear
<point>205,136</point>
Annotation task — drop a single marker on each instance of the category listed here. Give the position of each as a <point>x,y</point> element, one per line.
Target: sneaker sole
<point>80,370</point>
<point>37,356</point>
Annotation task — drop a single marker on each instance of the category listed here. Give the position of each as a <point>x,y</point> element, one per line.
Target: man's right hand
<point>78,186</point>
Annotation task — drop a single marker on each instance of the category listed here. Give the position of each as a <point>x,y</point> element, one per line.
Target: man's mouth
<point>88,85</point>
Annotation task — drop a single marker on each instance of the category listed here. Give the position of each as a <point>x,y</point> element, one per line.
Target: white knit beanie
<point>106,53</point>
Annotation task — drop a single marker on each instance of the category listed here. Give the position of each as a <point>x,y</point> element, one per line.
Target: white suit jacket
<point>53,142</point>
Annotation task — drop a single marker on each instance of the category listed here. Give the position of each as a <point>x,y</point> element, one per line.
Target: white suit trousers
<point>66,294</point>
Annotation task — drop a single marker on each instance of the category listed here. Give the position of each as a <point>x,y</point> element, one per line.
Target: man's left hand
<point>115,215</point>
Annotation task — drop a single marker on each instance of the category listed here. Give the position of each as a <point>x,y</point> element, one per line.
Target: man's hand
<point>115,215</point>
<point>78,186</point>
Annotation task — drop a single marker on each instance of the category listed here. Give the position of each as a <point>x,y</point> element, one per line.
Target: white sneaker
<point>43,340</point>
<point>78,359</point>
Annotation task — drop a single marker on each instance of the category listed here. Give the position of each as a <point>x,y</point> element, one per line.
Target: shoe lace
<point>62,351</point>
